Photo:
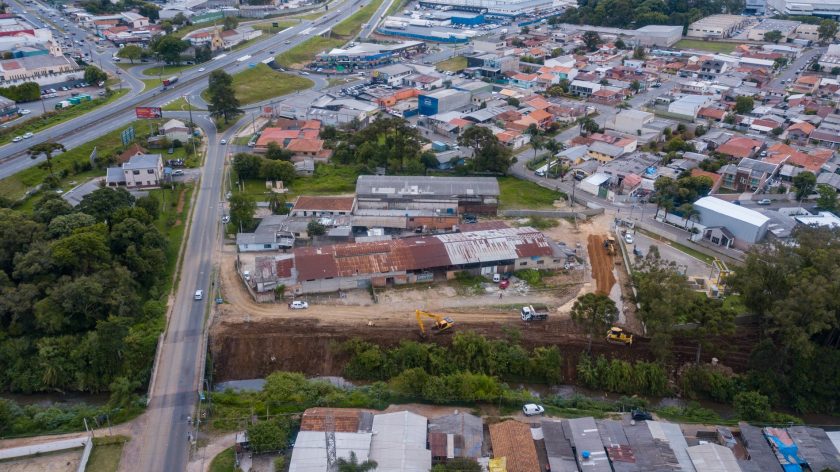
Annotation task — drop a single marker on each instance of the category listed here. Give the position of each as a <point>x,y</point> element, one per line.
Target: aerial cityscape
<point>419,235</point>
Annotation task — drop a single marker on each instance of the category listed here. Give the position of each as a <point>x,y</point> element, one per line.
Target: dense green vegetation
<point>387,142</point>
<point>644,378</point>
<point>638,13</point>
<point>26,92</point>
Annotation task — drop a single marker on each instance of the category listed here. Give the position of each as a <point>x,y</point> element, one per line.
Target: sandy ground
<point>64,461</point>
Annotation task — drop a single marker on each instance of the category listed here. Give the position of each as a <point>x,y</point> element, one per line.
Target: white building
<point>806,7</point>
<point>399,442</point>
<point>689,105</point>
<point>310,452</point>
<point>141,170</point>
<point>176,129</point>
<point>716,26</point>
<point>596,184</point>
<point>509,8</point>
<point>728,224</point>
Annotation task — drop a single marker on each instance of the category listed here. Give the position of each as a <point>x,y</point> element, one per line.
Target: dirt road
<point>602,264</point>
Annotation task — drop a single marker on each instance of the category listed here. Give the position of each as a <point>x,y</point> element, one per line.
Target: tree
<point>94,75</point>
<point>805,182</point>
<point>589,125</point>
<point>49,207</point>
<point>103,203</point>
<point>247,166</point>
<point>827,30</point>
<point>639,53</point>
<point>242,208</point>
<point>268,436</point>
<point>635,86</point>
<point>314,228</point>
<point>780,62</point>
<point>688,212</point>
<point>513,101</point>
<point>752,406</point>
<point>275,152</point>
<point>711,319</point>
<point>46,148</point>
<point>489,155</point>
<point>132,52</point>
<point>827,199</point>
<point>230,23</point>
<point>223,101</point>
<point>203,54</point>
<point>594,313</point>
<point>352,464</point>
<point>277,171</point>
<point>459,464</point>
<point>744,105</point>
<point>122,392</point>
<point>773,36</point>
<point>619,44</point>
<point>169,48</point>
<point>592,40</point>
<point>835,71</point>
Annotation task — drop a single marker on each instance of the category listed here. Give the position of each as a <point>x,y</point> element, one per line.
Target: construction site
<point>250,340</point>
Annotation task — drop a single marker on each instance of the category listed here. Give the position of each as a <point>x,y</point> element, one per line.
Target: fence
<point>37,449</point>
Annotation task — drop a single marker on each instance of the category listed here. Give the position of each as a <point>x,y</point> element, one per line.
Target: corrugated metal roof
<point>407,186</point>
<point>342,419</point>
<point>673,436</point>
<point>585,437</point>
<point>713,458</point>
<point>815,447</point>
<point>512,440</point>
<point>399,442</point>
<point>561,457</point>
<point>761,455</point>
<point>310,452</point>
<point>468,428</point>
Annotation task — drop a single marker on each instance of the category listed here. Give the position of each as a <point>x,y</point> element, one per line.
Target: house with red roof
<point>740,147</point>
<point>799,132</point>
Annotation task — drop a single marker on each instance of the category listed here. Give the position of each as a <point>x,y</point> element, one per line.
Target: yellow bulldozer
<point>609,245</point>
<point>442,323</point>
<point>617,335</point>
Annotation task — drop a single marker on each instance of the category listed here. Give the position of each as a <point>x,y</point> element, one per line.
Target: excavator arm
<point>441,323</point>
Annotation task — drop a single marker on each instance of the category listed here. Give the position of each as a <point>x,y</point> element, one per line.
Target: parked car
<point>628,238</point>
<point>178,172</point>
<point>17,139</point>
<point>298,305</point>
<point>224,141</point>
<point>532,409</point>
<point>28,135</point>
<point>201,69</point>
<point>764,201</point>
<point>640,415</point>
<point>199,294</point>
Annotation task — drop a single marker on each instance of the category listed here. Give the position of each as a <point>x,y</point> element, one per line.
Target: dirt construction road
<point>602,264</point>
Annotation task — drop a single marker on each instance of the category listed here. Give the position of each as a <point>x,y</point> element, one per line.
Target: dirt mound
<point>602,263</point>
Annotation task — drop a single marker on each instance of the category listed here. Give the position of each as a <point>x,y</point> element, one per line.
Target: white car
<point>178,172</point>
<point>28,135</point>
<point>199,294</point>
<point>17,139</point>
<point>25,112</point>
<point>226,219</point>
<point>532,409</point>
<point>201,69</point>
<point>298,305</point>
<point>224,141</point>
<point>628,238</point>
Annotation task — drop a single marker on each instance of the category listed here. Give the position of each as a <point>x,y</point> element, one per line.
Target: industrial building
<point>657,35</point>
<point>786,27</point>
<point>441,195</point>
<point>501,8</point>
<point>829,8</point>
<point>730,225</point>
<point>399,442</point>
<point>365,55</point>
<point>441,101</point>
<point>716,26</point>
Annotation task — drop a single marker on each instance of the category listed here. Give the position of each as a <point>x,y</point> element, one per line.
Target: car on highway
<point>304,73</point>
<point>24,111</point>
<point>199,294</point>
<point>628,238</point>
<point>178,172</point>
<point>298,305</point>
<point>224,141</point>
<point>201,69</point>
<point>532,409</point>
<point>287,42</point>
<point>17,139</point>
<point>28,135</point>
<point>764,201</point>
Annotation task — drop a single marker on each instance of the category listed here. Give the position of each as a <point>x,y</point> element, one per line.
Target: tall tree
<point>805,182</point>
<point>594,313</point>
<point>230,23</point>
<point>827,30</point>
<point>242,208</point>
<point>489,155</point>
<point>169,48</point>
<point>223,101</point>
<point>744,105</point>
<point>592,40</point>
<point>773,36</point>
<point>827,199</point>
<point>47,148</point>
<point>132,52</point>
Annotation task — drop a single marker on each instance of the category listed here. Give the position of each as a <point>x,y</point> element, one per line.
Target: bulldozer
<point>609,245</point>
<point>617,335</point>
<point>442,324</point>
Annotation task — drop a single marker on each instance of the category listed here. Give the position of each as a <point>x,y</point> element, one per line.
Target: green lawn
<point>151,83</point>
<point>166,71</point>
<point>180,104</point>
<point>184,30</point>
<point>305,52</point>
<point>328,180</point>
<point>262,82</point>
<point>16,186</point>
<point>106,453</point>
<point>269,29</point>
<point>40,123</point>
<point>516,193</point>
<point>712,46</point>
<point>454,64</point>
<point>224,462</point>
<point>353,24</point>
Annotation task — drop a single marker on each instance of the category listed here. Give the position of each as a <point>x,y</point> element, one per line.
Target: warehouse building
<point>786,27</point>
<point>730,225</point>
<point>399,442</point>
<point>503,8</point>
<point>716,26</point>
<point>829,8</point>
<point>657,35</point>
<point>442,195</point>
<point>442,101</point>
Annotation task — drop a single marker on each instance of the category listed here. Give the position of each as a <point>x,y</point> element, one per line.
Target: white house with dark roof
<point>141,171</point>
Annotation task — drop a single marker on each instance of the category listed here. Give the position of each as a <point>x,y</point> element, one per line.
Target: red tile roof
<point>512,440</point>
<point>313,203</point>
<point>739,147</point>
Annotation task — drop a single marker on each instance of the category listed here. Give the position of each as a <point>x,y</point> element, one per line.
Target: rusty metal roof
<point>321,203</point>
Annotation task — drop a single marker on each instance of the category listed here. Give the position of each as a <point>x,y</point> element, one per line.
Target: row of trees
<point>26,92</point>
<point>637,13</point>
<point>469,352</point>
<point>81,288</point>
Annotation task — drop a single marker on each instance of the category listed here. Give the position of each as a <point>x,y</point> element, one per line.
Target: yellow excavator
<point>609,245</point>
<point>442,323</point>
<point>617,335</point>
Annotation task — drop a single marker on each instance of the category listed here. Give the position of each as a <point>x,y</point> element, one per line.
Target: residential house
<point>141,171</point>
<point>316,206</point>
<point>748,175</point>
<point>526,81</point>
<point>176,129</point>
<point>604,152</point>
<point>806,84</point>
<point>741,147</point>
<point>583,88</point>
<point>607,96</point>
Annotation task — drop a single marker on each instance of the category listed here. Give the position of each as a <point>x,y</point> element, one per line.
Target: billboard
<point>147,113</point>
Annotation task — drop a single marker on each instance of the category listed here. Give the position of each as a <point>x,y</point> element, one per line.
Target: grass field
<point>180,104</point>
<point>166,71</point>
<point>262,82</point>
<point>353,24</point>
<point>454,64</point>
<point>16,186</point>
<point>712,46</point>
<point>224,462</point>
<point>40,123</point>
<point>517,193</point>
<point>105,456</point>
<point>327,180</point>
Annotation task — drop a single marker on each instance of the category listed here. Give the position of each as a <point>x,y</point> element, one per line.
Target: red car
<point>504,284</point>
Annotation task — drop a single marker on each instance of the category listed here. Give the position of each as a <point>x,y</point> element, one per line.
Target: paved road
<point>790,72</point>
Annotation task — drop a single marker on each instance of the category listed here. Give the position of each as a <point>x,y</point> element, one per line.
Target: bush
<point>644,378</point>
<point>752,406</point>
<point>704,381</point>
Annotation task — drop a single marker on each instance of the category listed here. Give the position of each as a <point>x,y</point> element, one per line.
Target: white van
<point>199,294</point>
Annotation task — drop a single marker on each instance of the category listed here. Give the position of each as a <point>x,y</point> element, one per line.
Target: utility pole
<point>192,125</point>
